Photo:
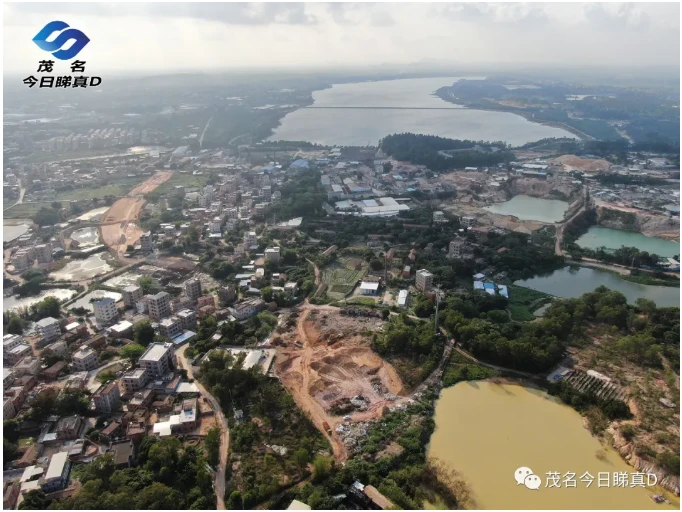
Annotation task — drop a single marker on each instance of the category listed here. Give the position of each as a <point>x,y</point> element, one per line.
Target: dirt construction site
<point>324,358</point>
<point>119,228</point>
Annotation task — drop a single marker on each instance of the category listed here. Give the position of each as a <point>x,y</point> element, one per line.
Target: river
<point>598,236</point>
<point>360,127</point>
<point>531,208</point>
<point>485,431</point>
<point>572,282</point>
<point>58,293</point>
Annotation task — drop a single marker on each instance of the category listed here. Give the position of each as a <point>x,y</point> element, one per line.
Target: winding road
<point>222,422</point>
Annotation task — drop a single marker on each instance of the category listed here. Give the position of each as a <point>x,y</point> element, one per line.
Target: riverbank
<point>482,416</point>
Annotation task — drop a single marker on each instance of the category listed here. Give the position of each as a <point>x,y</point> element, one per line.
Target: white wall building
<point>105,311</point>
<point>424,280</point>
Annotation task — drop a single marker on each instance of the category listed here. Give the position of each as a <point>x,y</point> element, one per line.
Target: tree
<point>322,467</point>
<point>15,325</point>
<point>43,404</point>
<point>33,500</point>
<point>132,352</point>
<point>48,307</point>
<point>266,293</point>
<point>144,333</point>
<point>302,457</point>
<point>73,401</point>
<point>158,497</point>
<point>47,217</point>
<point>212,444</point>
<point>10,430</point>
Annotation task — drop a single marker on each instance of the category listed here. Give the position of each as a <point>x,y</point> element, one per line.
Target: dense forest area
<point>261,414</point>
<point>478,321</point>
<point>647,117</point>
<point>168,476</point>
<point>423,150</point>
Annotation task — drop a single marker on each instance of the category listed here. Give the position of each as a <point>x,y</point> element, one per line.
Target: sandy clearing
<point>118,227</point>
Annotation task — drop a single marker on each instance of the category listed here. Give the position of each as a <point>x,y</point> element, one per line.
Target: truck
<point>327,428</point>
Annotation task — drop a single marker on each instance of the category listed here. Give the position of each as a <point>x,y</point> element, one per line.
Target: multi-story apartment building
<point>192,288</point>
<point>159,305</point>
<point>49,329</point>
<point>188,317</point>
<point>105,311</point>
<point>170,327</point>
<point>85,359</point>
<point>157,359</point>
<point>107,397</point>
<point>132,294</point>
<point>424,280</point>
<point>135,380</point>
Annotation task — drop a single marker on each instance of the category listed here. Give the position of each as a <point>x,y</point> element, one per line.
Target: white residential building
<point>157,359</point>
<point>106,398</point>
<point>131,294</point>
<point>9,341</point>
<point>170,327</point>
<point>85,359</point>
<point>403,299</point>
<point>49,329</point>
<point>188,317</point>
<point>424,280</point>
<point>105,311</point>
<point>159,305</point>
<point>29,365</point>
<point>57,474</point>
<point>250,239</point>
<point>272,254</point>
<point>135,380</point>
<point>193,288</point>
<point>16,353</point>
<point>247,308</point>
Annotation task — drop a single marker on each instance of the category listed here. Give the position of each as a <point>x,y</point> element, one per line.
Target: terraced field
<point>341,276</point>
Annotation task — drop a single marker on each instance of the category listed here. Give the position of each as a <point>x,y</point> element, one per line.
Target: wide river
<point>572,282</point>
<point>410,100</point>
<point>485,431</point>
<point>531,208</point>
<point>598,236</point>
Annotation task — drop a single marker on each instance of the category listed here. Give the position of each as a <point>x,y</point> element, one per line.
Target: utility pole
<point>437,305</point>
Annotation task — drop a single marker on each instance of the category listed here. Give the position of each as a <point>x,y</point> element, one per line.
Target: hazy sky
<point>158,37</point>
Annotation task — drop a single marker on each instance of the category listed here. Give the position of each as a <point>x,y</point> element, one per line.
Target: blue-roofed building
<point>299,164</point>
<point>183,338</point>
<point>502,290</point>
<point>489,288</point>
<point>478,285</point>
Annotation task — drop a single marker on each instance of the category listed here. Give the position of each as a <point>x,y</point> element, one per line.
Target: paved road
<point>222,422</point>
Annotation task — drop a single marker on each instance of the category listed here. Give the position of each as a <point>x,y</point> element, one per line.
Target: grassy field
<point>341,277</point>
<point>181,179</point>
<point>23,210</point>
<point>523,301</point>
<point>117,188</point>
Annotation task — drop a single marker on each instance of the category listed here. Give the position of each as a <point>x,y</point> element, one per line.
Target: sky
<point>171,37</point>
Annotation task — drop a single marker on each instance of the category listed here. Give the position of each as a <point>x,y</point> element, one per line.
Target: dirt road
<point>560,227</point>
<point>318,360</point>
<point>119,227</point>
<point>224,430</point>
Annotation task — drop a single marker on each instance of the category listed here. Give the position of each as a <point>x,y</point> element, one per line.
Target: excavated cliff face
<point>627,451</point>
<point>544,189</point>
<point>648,224</point>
